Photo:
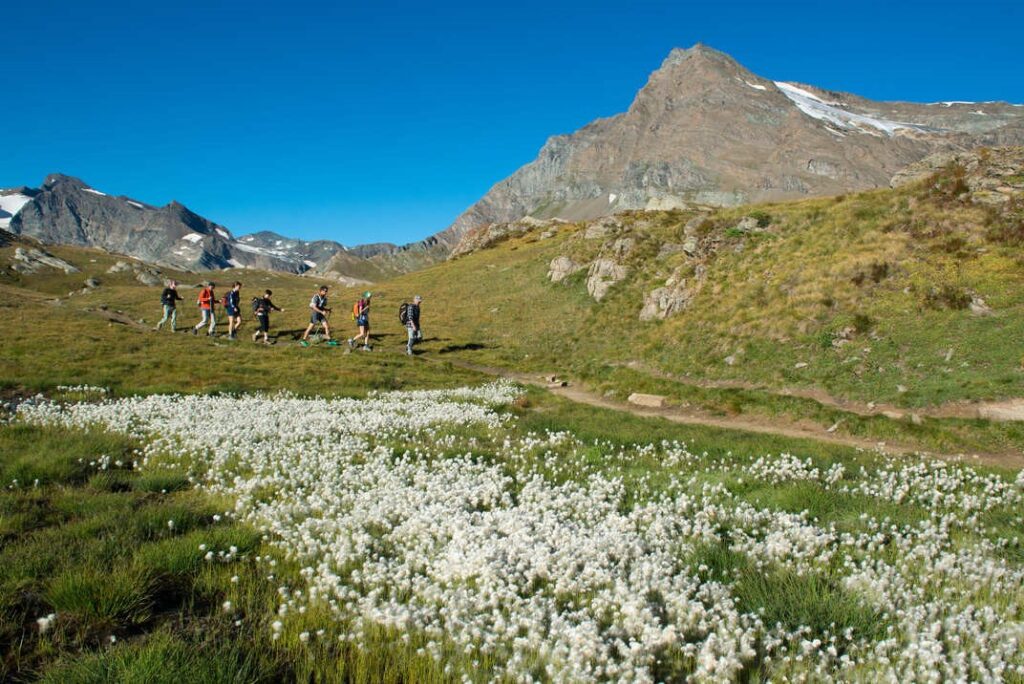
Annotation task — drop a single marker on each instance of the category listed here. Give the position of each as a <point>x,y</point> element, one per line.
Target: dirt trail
<point>690,416</point>
<point>1002,410</point>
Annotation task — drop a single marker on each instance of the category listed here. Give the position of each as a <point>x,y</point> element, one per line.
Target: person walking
<point>412,323</point>
<point>361,312</point>
<point>207,301</point>
<point>319,313</point>
<point>232,305</point>
<point>169,298</point>
<point>262,306</point>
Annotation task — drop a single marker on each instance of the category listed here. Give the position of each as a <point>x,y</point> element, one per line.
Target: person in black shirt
<point>412,323</point>
<point>232,305</point>
<point>262,306</point>
<point>169,298</point>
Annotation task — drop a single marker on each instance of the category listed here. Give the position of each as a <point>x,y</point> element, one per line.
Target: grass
<point>95,547</point>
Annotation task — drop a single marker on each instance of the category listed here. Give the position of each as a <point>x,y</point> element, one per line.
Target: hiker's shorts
<point>363,321</point>
<point>233,312</point>
<point>316,317</point>
<point>264,322</point>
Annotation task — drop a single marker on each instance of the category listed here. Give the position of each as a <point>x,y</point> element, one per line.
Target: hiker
<point>409,315</point>
<point>207,300</point>
<point>319,313</point>
<point>262,306</point>
<point>361,315</point>
<point>170,298</point>
<point>232,303</point>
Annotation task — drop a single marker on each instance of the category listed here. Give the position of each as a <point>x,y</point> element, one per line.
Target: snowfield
<point>11,205</point>
<point>541,556</point>
<point>832,113</point>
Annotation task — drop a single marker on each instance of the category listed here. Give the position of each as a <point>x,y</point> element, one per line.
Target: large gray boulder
<point>602,275</point>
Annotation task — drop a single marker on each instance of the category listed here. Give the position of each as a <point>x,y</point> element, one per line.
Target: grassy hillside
<point>911,297</point>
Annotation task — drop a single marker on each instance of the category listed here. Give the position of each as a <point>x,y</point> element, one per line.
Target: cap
<point>367,294</point>
<point>417,298</point>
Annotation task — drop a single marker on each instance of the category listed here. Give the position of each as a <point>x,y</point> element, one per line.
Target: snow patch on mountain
<point>95,192</point>
<point>11,205</point>
<point>194,238</point>
<point>831,113</point>
<point>223,233</point>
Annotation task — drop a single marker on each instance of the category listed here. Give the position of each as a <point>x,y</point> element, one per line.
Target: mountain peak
<point>55,179</point>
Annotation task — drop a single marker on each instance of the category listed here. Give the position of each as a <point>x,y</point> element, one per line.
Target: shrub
<point>947,297</point>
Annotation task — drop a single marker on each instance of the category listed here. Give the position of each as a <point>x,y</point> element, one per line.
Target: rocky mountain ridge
<point>65,210</point>
<point>705,131</point>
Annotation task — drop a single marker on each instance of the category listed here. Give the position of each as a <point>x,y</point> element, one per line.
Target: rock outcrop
<point>31,260</point>
<point>604,273</point>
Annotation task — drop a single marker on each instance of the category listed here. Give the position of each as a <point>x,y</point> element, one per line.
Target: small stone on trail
<point>648,400</point>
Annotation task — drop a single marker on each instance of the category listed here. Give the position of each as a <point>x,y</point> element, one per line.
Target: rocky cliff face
<point>704,131</point>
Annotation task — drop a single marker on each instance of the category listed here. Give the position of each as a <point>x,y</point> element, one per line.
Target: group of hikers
<point>319,316</point>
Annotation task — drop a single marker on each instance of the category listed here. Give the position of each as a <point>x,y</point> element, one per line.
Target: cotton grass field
<point>453,535</point>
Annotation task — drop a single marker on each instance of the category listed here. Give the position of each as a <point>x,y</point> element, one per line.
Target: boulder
<point>746,224</point>
<point>665,301</point>
<point>148,277</point>
<point>601,228</point>
<point>92,282</point>
<point>978,306</point>
<point>648,400</point>
<point>31,260</point>
<point>690,246</point>
<point>602,275</point>
<point>120,267</point>
<point>561,268</point>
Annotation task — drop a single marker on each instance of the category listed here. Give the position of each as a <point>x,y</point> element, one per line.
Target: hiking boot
<point>351,343</point>
<point>304,343</point>
<point>331,343</point>
<point>194,331</point>
<point>366,347</point>
<point>408,351</point>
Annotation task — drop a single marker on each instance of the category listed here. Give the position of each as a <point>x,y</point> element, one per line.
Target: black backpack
<point>257,305</point>
<point>403,313</point>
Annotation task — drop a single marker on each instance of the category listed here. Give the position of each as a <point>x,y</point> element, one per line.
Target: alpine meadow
<point>727,387</point>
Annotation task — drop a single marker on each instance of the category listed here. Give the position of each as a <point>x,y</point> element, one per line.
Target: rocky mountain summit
<point>704,131</point>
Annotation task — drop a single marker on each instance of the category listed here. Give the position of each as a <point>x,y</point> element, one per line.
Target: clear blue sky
<point>383,121</point>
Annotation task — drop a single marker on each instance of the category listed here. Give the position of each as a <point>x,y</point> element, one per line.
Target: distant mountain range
<point>702,131</point>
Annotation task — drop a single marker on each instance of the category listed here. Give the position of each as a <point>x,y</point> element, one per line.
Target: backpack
<point>403,313</point>
<point>257,305</point>
<point>225,301</point>
<point>355,311</point>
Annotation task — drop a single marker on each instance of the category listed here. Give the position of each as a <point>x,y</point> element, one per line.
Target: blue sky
<point>383,121</point>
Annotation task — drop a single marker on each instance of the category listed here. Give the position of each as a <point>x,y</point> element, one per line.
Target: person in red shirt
<point>207,301</point>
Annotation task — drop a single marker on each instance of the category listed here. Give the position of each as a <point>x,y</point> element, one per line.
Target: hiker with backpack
<point>232,305</point>
<point>361,315</point>
<point>261,307</point>
<point>409,316</point>
<point>169,298</point>
<point>319,314</point>
<point>207,301</point>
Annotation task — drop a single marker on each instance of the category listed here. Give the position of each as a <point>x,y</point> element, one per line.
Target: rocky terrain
<point>704,131</point>
<point>67,211</point>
